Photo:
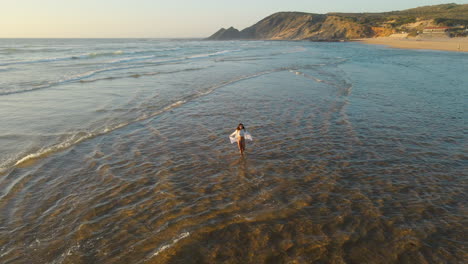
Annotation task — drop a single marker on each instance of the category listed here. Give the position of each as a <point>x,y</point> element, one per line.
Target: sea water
<point>117,151</point>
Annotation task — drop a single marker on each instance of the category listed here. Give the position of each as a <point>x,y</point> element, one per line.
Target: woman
<point>240,135</point>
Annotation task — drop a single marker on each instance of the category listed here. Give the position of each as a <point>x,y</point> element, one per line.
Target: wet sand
<point>453,44</point>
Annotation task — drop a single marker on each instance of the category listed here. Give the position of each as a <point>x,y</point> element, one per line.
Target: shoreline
<point>449,44</point>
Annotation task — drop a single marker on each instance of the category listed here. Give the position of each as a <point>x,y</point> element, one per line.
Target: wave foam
<point>96,54</point>
<point>171,244</point>
<point>138,75</point>
<point>108,54</point>
<point>70,57</point>
<point>81,76</point>
<point>48,150</point>
<point>68,79</point>
<point>72,140</point>
<point>81,136</point>
<point>205,55</point>
<point>31,50</point>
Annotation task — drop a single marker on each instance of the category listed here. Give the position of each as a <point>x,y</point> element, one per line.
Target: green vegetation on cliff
<point>344,26</point>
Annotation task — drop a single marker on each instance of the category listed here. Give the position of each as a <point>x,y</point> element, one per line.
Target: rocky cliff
<point>297,26</point>
<point>226,34</point>
<point>345,26</point>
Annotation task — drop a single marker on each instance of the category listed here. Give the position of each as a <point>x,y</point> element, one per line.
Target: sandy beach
<point>452,44</point>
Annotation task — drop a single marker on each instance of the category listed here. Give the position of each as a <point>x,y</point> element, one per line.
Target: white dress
<point>239,133</point>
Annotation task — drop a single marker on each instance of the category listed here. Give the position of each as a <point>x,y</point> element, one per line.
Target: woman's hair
<point>240,124</point>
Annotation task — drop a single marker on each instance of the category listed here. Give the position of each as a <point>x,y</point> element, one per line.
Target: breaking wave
<point>64,58</point>
<point>169,245</point>
<point>110,54</point>
<point>84,135</point>
<point>148,61</point>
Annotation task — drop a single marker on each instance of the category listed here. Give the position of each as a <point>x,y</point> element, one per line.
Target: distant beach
<point>449,44</point>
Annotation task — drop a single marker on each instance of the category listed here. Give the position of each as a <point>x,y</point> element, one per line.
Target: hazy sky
<point>163,18</point>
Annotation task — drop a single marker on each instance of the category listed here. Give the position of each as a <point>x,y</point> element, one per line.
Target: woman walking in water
<point>239,136</point>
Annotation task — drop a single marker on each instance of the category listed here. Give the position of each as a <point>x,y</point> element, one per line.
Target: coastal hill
<point>345,26</point>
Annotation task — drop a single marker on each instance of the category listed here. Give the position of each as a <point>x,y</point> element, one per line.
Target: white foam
<point>7,252</point>
<point>69,57</point>
<point>65,144</point>
<point>178,103</point>
<point>73,140</point>
<point>308,76</point>
<point>169,245</point>
<point>81,136</point>
<point>204,55</point>
<point>106,53</point>
<point>81,76</point>
<point>132,59</point>
<point>68,79</point>
<point>38,60</point>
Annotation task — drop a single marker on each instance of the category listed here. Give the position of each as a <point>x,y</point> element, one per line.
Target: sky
<point>163,18</point>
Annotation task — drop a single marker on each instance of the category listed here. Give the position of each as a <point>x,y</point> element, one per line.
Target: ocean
<point>117,151</point>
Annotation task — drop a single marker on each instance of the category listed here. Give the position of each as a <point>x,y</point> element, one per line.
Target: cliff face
<point>338,28</point>
<point>298,26</point>
<point>225,34</point>
<point>285,25</point>
<point>344,26</point>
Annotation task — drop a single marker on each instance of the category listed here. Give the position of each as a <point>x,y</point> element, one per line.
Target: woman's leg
<point>242,145</point>
<point>239,145</point>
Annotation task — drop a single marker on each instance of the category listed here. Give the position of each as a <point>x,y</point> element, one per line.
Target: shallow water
<point>120,154</point>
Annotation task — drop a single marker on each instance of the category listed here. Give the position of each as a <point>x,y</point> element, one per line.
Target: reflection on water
<point>334,175</point>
